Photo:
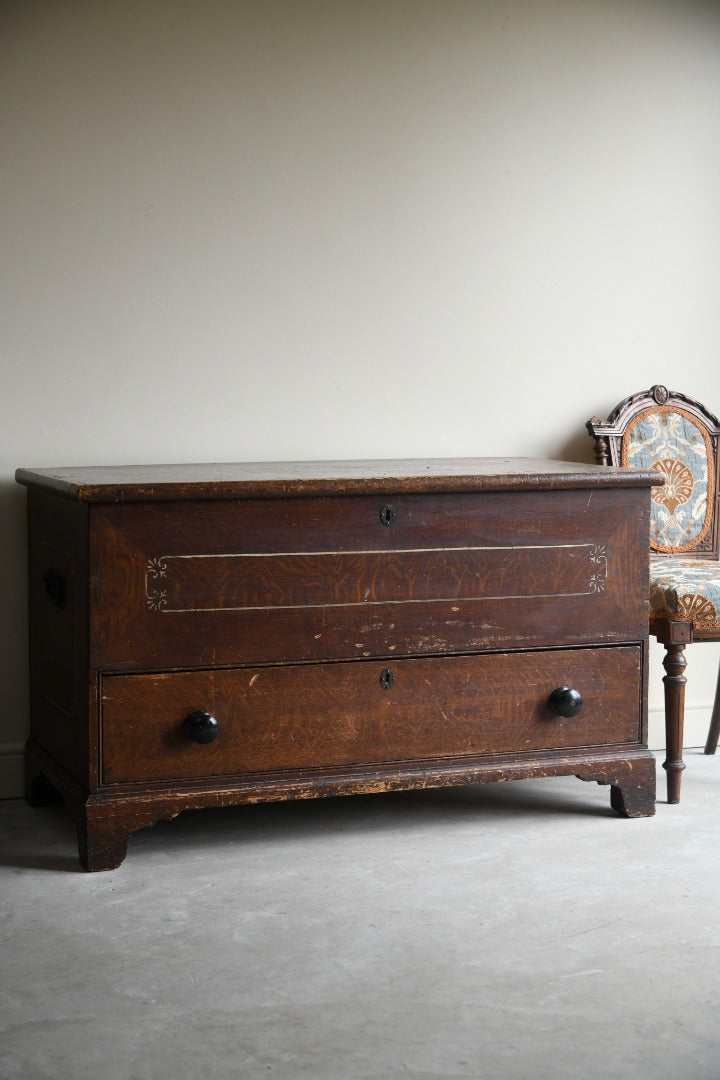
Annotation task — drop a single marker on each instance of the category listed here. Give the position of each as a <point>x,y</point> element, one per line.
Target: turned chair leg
<point>714,732</point>
<point>674,663</point>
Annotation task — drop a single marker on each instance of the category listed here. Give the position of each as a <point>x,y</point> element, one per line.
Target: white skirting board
<point>697,722</point>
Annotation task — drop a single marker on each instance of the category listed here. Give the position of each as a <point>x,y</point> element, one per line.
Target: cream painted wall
<point>304,229</point>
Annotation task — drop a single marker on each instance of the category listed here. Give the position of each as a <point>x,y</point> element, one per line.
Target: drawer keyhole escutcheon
<point>388,515</point>
<point>564,701</point>
<point>387,678</point>
<point>200,726</point>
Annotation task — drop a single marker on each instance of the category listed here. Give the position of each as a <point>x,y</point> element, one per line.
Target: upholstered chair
<point>677,436</point>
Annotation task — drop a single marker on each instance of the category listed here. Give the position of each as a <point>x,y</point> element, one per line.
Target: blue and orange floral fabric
<point>670,441</point>
<point>687,589</point>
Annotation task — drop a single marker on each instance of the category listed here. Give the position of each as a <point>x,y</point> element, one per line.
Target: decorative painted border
<point>156,577</point>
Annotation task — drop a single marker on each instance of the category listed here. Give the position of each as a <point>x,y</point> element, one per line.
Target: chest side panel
<point>58,624</point>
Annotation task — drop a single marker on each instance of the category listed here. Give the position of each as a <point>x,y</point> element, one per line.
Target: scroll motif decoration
<point>599,558</point>
<point>155,596</point>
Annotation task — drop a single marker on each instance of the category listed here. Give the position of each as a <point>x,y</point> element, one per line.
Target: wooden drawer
<point>317,716</point>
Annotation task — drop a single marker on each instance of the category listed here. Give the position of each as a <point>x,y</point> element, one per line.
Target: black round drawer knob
<point>565,701</point>
<point>201,727</point>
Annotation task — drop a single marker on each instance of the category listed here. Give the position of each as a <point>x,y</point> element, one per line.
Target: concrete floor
<point>507,931</point>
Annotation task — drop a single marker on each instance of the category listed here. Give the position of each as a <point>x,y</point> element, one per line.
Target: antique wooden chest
<point>216,634</point>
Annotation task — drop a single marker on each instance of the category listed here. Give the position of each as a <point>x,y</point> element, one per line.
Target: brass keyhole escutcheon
<point>387,678</point>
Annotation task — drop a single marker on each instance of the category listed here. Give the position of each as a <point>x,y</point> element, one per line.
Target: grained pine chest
<point>217,634</point>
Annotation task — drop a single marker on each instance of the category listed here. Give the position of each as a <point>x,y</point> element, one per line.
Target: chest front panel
<point>286,580</point>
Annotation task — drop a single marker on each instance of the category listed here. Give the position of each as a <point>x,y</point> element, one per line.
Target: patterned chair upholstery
<point>676,436</point>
